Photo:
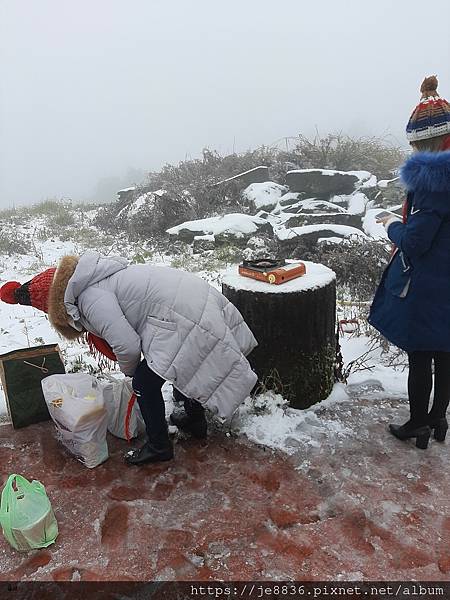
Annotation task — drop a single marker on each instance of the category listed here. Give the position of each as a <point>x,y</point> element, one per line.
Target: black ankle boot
<point>439,427</point>
<point>409,430</point>
<point>150,453</point>
<point>196,426</point>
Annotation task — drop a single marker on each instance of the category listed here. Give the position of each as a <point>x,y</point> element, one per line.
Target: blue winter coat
<point>411,307</point>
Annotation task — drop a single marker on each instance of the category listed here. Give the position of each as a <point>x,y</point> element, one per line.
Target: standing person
<point>187,331</point>
<point>411,307</point>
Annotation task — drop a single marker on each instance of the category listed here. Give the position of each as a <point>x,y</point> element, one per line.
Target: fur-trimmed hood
<point>427,171</point>
<point>57,312</point>
<point>73,275</point>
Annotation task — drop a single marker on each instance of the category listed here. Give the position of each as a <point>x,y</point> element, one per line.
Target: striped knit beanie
<point>431,117</point>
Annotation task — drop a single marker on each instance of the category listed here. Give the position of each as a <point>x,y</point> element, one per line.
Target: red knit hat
<point>32,293</point>
<point>35,293</point>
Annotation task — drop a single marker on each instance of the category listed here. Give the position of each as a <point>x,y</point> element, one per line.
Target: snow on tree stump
<point>294,324</point>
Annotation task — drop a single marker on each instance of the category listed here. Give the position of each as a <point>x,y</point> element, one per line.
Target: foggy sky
<point>90,89</point>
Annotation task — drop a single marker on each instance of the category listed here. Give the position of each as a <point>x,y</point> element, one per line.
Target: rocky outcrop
<point>263,196</point>
<point>151,213</point>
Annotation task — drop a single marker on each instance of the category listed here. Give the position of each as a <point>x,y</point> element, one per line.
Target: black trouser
<point>147,386</point>
<point>420,383</point>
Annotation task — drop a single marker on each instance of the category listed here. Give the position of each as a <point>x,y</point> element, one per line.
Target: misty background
<point>94,94</point>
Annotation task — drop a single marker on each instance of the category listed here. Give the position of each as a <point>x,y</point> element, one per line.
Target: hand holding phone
<point>383,214</point>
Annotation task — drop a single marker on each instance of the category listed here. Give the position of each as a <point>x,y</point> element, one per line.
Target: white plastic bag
<point>117,394</point>
<point>75,403</point>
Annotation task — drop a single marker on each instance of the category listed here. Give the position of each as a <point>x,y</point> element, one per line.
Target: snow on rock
<point>156,210</point>
<point>314,206</point>
<point>263,195</point>
<point>290,198</point>
<point>203,243</point>
<point>326,182</point>
<point>344,231</point>
<point>258,174</point>
<point>384,183</point>
<point>357,203</point>
<point>206,238</point>
<point>234,225</point>
<point>330,240</point>
<point>368,183</point>
<point>372,228</point>
<point>361,176</point>
<point>136,206</point>
<point>144,200</point>
<point>391,191</point>
<point>316,276</point>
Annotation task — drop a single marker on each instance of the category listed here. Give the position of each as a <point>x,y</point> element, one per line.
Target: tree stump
<point>294,324</point>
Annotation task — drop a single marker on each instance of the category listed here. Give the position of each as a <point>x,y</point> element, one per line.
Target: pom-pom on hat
<point>431,117</point>
<point>32,293</point>
<point>7,292</point>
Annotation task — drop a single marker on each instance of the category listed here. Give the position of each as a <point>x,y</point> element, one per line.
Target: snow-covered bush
<point>12,242</point>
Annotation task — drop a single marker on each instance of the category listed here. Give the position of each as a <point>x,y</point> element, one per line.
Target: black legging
<point>420,383</point>
<point>147,385</point>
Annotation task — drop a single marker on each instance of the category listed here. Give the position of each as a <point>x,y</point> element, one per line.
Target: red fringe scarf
<point>105,357</point>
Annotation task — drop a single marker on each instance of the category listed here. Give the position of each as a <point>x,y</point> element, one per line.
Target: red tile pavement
<point>231,510</point>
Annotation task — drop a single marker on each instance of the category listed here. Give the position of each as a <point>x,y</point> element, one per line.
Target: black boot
<point>151,452</point>
<point>439,427</point>
<point>194,421</point>
<point>410,430</point>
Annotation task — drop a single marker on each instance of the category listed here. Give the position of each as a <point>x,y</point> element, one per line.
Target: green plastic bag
<point>26,515</point>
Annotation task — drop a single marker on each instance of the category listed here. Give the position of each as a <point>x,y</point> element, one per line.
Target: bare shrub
<point>346,153</point>
<point>358,264</point>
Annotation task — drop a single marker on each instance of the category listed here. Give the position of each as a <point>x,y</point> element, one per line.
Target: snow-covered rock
<point>314,206</point>
<point>326,182</point>
<point>284,233</point>
<point>263,195</point>
<point>126,193</point>
<point>155,211</point>
<point>390,191</point>
<point>309,235</point>
<point>203,243</point>
<point>338,218</point>
<point>291,198</point>
<point>355,203</point>
<point>256,175</point>
<point>232,227</point>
